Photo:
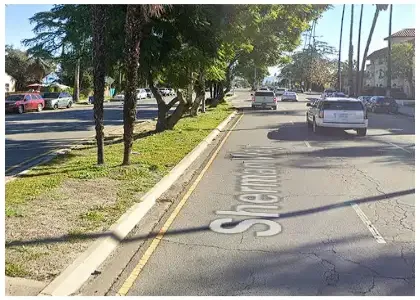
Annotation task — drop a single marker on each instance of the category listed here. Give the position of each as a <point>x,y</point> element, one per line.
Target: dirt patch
<point>55,214</point>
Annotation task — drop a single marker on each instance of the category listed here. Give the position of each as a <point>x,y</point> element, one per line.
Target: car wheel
<point>39,108</point>
<point>21,109</point>
<point>55,106</point>
<point>274,107</point>
<point>361,132</point>
<point>69,104</point>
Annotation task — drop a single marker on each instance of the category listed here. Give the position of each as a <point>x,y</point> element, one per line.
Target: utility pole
<point>313,49</point>
<point>339,51</point>
<point>388,90</point>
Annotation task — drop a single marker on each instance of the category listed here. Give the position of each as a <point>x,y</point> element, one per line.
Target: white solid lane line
<point>399,147</point>
<point>378,237</point>
<point>307,144</point>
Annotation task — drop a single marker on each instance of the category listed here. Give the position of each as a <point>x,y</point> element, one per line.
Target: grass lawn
<point>72,195</point>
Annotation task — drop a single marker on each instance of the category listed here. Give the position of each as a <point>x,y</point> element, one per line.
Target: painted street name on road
<point>258,186</point>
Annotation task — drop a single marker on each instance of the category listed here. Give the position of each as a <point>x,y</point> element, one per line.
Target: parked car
<point>141,94</point>
<point>327,93</point>
<point>338,95</point>
<point>300,91</point>
<point>341,113</point>
<point>23,102</point>
<point>57,100</point>
<point>149,93</point>
<point>365,100</point>
<point>289,96</point>
<point>263,99</point>
<point>119,97</point>
<point>383,104</point>
<point>164,92</point>
<point>280,91</point>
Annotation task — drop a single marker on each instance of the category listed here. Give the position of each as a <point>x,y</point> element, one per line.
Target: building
<point>10,83</point>
<point>376,70</point>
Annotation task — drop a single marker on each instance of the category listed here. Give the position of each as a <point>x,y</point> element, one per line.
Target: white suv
<point>344,113</point>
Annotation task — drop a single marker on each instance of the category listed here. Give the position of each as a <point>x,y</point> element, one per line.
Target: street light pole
<point>339,51</point>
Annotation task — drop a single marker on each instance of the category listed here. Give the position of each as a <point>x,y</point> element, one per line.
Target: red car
<point>24,102</point>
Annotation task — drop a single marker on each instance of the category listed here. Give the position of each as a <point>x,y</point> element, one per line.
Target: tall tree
<point>137,18</point>
<point>379,8</point>
<point>403,63</point>
<point>350,74</point>
<point>358,84</point>
<point>98,29</point>
<point>339,51</point>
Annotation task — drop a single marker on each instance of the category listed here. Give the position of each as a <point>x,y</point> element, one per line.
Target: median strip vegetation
<point>71,196</point>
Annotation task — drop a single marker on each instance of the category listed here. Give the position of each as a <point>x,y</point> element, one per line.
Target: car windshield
<point>264,94</point>
<point>15,97</point>
<point>51,95</point>
<point>343,105</point>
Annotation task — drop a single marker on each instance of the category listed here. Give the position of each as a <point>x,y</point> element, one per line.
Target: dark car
<point>24,102</point>
<point>382,104</point>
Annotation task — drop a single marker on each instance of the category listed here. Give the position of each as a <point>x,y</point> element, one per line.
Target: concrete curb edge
<point>76,274</point>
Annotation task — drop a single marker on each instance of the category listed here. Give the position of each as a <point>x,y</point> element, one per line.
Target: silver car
<point>57,100</point>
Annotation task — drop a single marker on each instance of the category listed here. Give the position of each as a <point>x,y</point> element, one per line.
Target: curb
<point>76,274</point>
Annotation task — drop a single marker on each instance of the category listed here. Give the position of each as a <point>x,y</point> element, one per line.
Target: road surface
<point>282,211</point>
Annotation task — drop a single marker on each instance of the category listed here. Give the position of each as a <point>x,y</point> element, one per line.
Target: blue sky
<point>328,27</point>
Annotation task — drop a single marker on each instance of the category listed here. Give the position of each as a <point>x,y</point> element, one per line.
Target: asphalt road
<point>34,134</point>
<point>328,214</point>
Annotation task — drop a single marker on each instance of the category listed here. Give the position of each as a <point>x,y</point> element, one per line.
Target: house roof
<point>406,32</point>
<point>377,53</point>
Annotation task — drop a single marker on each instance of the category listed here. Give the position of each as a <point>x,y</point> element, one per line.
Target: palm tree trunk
<point>350,75</point>
<point>339,51</point>
<point>369,40</point>
<point>359,85</point>
<point>98,24</point>
<point>76,93</point>
<point>133,30</point>
<point>389,71</point>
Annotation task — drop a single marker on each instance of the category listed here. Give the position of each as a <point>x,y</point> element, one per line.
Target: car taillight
<point>275,99</point>
<point>321,114</point>
<point>253,99</point>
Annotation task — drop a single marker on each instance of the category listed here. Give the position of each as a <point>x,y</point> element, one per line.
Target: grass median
<point>71,196</point>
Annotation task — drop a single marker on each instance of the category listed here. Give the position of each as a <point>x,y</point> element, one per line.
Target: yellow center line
<point>128,283</point>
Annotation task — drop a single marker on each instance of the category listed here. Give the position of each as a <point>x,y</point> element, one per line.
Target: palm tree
<point>350,74</point>
<point>358,85</point>
<point>379,8</point>
<point>136,19</point>
<point>388,90</point>
<point>99,67</point>
<point>339,51</point>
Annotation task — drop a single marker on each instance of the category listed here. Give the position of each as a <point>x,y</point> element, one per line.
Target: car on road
<point>280,91</point>
<point>384,104</point>
<point>289,96</point>
<point>264,99</point>
<point>149,93</point>
<point>327,93</point>
<point>164,92</point>
<point>365,100</point>
<point>57,100</point>
<point>141,94</point>
<point>338,95</point>
<point>23,102</point>
<point>300,91</point>
<point>340,113</point>
<point>119,97</point>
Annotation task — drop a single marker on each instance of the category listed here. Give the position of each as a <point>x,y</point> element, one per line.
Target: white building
<point>375,75</point>
<point>10,83</point>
